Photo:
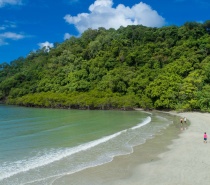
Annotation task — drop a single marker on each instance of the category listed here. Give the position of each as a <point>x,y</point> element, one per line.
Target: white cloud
<point>47,45</point>
<point>102,14</point>
<point>66,36</point>
<point>9,36</point>
<point>10,2</point>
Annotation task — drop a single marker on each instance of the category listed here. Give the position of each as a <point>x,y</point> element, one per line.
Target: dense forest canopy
<point>134,66</point>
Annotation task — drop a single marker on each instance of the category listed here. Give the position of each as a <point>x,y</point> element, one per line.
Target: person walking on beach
<point>205,137</point>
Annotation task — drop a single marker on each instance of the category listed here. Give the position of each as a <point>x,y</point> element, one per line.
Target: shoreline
<point>123,167</point>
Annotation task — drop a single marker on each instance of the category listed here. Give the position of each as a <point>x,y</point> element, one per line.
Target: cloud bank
<point>103,14</point>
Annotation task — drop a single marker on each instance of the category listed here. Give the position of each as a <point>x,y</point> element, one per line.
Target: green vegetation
<point>134,66</point>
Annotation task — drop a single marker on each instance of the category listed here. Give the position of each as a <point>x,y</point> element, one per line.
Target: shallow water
<point>41,145</point>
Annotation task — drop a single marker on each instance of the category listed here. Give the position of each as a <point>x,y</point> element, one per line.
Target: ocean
<point>38,146</point>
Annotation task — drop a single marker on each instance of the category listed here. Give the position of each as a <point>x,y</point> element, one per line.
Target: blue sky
<point>28,25</point>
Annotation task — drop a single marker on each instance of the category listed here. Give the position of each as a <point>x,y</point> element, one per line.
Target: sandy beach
<point>170,159</point>
<point>186,163</point>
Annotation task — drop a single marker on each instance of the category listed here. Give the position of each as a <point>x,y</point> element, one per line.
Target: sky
<point>29,25</point>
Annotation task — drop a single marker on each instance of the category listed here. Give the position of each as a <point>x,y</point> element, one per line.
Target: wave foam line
<point>39,161</point>
<point>145,122</point>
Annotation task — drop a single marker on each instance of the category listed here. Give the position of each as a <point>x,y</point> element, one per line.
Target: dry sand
<point>170,160</point>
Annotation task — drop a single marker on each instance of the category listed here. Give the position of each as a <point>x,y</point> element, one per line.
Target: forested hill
<point>134,66</point>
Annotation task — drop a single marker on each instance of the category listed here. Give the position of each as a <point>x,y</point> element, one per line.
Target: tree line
<point>133,66</point>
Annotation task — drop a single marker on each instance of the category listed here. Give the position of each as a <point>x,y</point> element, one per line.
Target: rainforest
<point>165,68</point>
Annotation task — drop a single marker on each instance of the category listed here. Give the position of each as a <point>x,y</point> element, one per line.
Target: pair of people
<point>183,120</point>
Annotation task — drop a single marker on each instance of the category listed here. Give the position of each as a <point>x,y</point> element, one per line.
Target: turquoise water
<point>38,146</point>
